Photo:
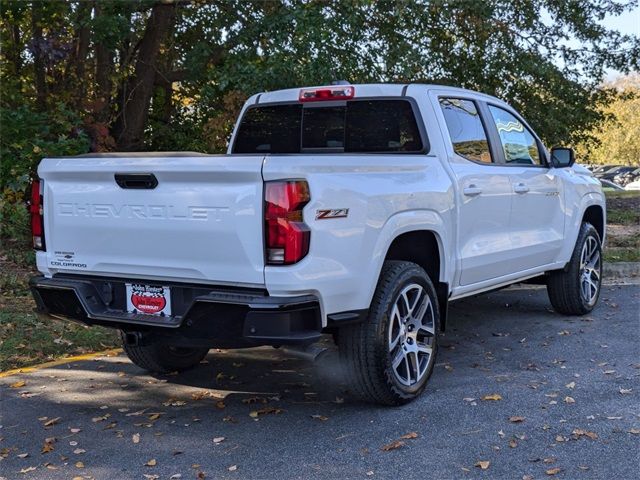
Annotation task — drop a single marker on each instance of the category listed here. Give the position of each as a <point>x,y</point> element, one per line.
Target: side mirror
<point>562,157</point>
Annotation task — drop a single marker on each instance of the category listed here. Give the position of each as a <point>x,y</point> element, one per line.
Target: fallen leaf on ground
<point>75,430</point>
<point>265,411</point>
<point>23,455</point>
<point>571,385</point>
<point>392,446</point>
<point>51,422</point>
<point>493,397</point>
<point>137,414</point>
<point>635,431</point>
<point>625,391</point>
<point>232,468</point>
<point>18,384</point>
<point>250,400</point>
<point>553,471</point>
<point>322,418</point>
<point>483,464</point>
<point>79,451</point>
<point>149,476</point>
<point>79,465</point>
<point>174,403</point>
<point>409,436</point>
<point>578,432</point>
<point>28,469</point>
<point>513,443</point>
<point>151,463</point>
<point>218,440</point>
<point>568,399</point>
<point>48,445</point>
<point>516,419</point>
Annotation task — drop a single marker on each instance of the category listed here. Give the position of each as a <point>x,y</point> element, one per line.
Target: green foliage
<point>617,138</point>
<point>28,136</point>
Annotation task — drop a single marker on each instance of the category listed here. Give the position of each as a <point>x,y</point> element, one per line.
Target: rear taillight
<point>326,93</point>
<point>286,235</point>
<point>37,216</point>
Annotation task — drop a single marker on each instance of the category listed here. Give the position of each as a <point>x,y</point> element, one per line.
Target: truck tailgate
<point>202,222</point>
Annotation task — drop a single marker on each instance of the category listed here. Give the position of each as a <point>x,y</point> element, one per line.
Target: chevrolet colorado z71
<point>355,210</point>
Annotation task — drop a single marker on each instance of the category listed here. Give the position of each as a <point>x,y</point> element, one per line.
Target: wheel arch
<point>594,214</point>
<point>424,248</point>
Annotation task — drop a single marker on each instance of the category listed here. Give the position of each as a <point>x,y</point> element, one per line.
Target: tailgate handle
<point>146,181</point>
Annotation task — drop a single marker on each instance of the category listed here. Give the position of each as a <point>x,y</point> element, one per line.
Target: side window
<point>518,144</point>
<point>465,127</point>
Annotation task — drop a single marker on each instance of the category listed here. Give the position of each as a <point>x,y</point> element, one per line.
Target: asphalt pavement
<point>518,392</point>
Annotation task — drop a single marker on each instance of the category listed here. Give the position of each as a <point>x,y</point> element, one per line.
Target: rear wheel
<point>163,358</point>
<point>390,356</point>
<point>576,289</point>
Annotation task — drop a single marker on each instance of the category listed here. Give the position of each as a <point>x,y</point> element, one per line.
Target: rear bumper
<point>202,315</point>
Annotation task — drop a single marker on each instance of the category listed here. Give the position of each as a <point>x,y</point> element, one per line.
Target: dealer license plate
<point>148,299</point>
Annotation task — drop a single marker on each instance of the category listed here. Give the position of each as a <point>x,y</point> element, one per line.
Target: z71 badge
<point>334,213</point>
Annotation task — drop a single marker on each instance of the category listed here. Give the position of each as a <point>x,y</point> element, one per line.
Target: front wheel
<point>390,356</point>
<point>576,289</point>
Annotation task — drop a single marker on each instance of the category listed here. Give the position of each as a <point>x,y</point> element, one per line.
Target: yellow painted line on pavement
<point>62,361</point>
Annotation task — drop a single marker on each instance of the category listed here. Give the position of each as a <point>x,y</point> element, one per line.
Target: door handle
<point>136,180</point>
<point>520,188</point>
<point>472,190</point>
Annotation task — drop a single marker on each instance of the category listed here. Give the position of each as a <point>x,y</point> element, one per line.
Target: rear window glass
<point>356,126</point>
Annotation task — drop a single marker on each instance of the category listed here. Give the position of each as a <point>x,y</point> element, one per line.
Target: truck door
<point>483,196</point>
<point>536,224</point>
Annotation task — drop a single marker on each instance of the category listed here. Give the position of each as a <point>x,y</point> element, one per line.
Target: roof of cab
<point>369,90</point>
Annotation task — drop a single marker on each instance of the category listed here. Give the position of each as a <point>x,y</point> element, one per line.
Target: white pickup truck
<point>354,210</point>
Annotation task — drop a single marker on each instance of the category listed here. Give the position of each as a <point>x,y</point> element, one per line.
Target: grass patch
<point>26,340</point>
<point>622,194</point>
<point>623,227</point>
<point>623,217</point>
<point>617,254</point>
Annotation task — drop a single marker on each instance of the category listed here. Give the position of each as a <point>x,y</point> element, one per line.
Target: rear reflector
<point>37,216</point>
<point>286,235</point>
<point>326,93</point>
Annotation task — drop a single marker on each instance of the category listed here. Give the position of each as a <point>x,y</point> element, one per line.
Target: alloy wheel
<point>411,335</point>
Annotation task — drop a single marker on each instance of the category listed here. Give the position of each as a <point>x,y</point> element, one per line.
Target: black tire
<point>158,358</point>
<point>565,287</point>
<point>365,348</point>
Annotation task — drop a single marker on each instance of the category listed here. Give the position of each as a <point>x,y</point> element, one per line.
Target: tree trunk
<point>104,71</point>
<point>81,50</point>
<point>16,51</point>
<point>38,61</point>
<point>138,89</point>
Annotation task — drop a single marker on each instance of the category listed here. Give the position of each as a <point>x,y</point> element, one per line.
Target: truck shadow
<point>477,327</point>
